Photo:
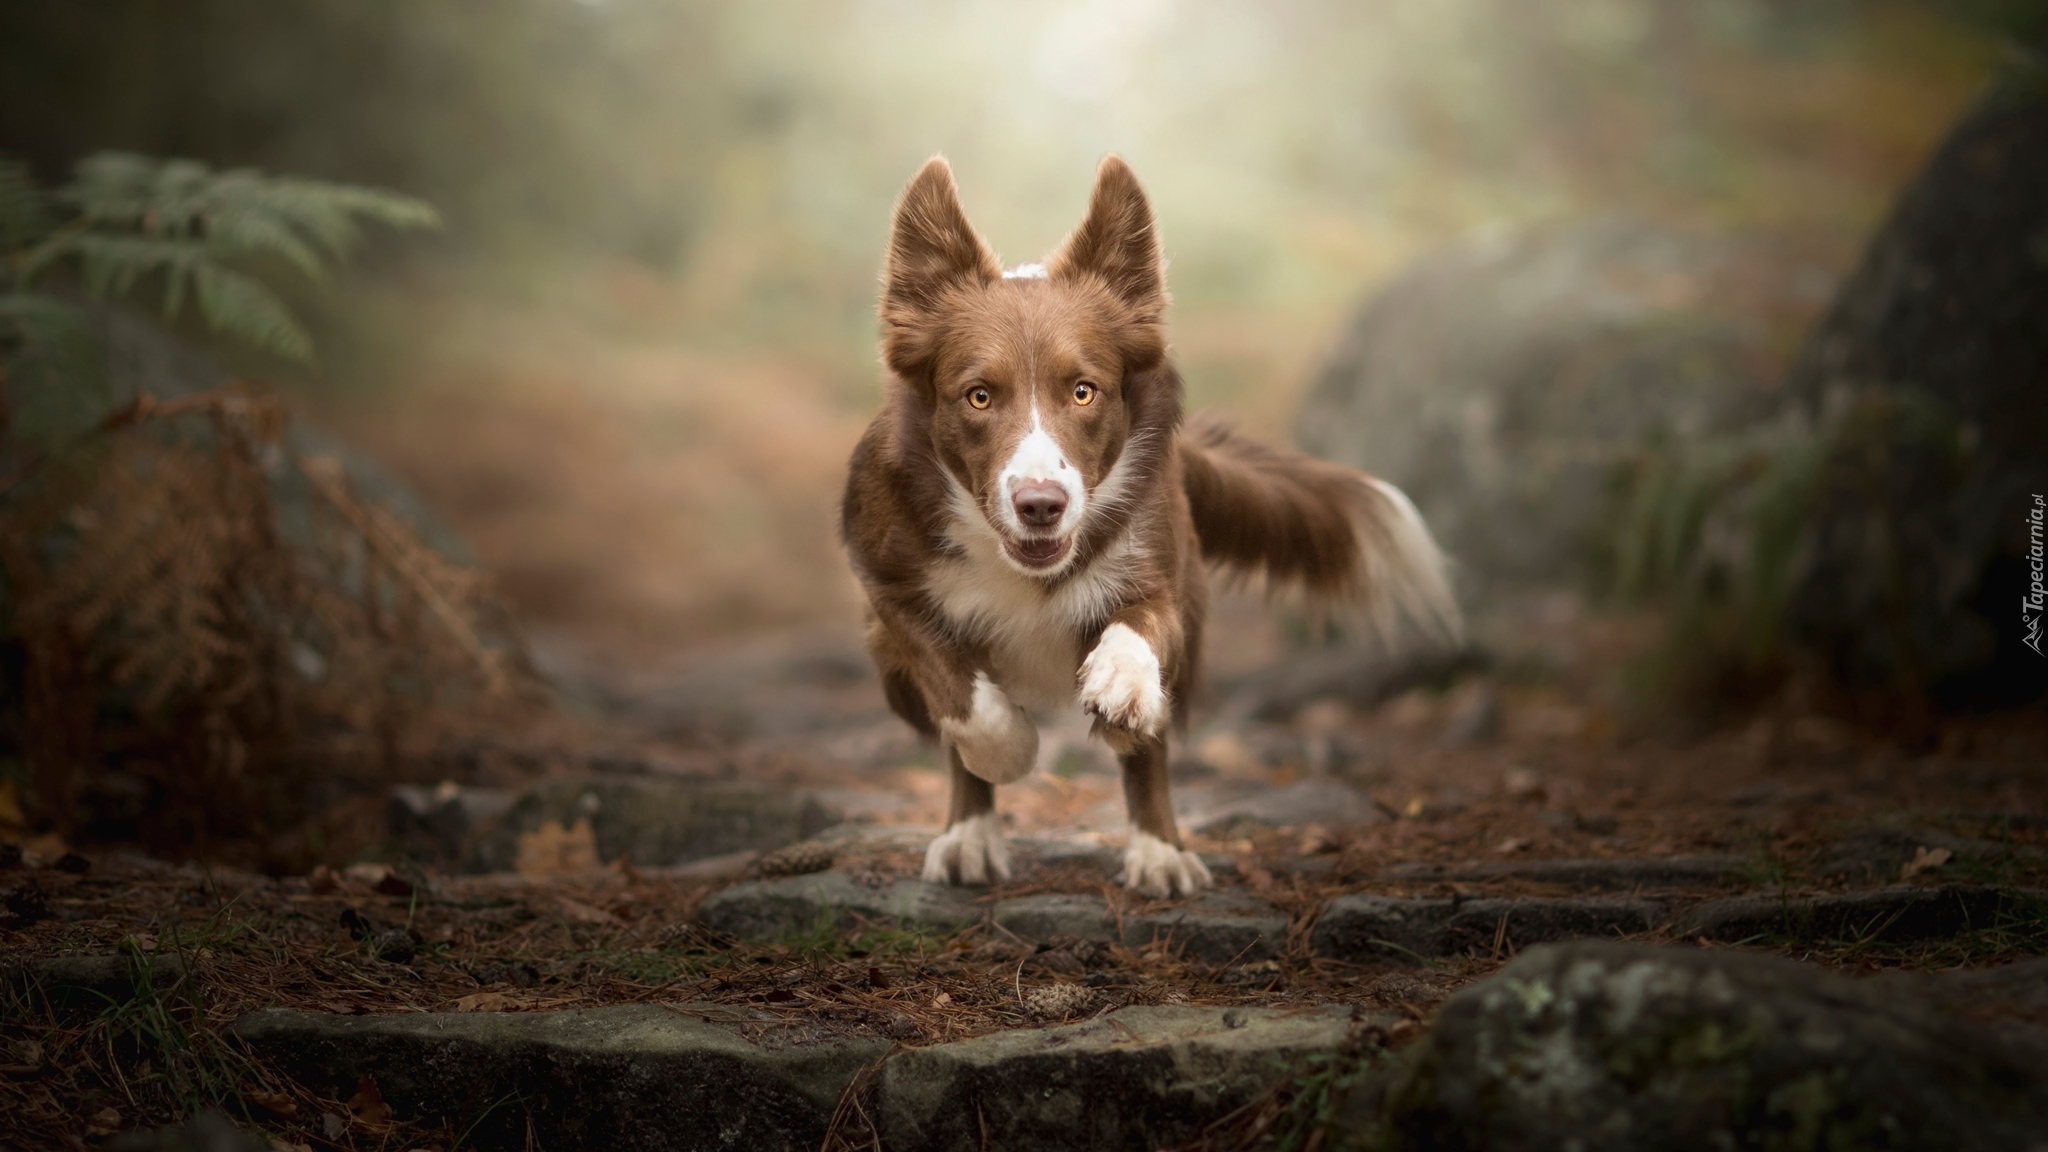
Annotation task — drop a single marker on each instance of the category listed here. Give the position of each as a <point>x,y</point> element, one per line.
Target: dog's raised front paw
<point>996,741</point>
<point>970,852</point>
<point>1158,869</point>
<point>1120,683</point>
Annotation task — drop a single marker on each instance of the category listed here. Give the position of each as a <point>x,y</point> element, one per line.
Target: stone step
<point>1618,872</point>
<point>1367,927</point>
<point>650,1078</point>
<point>1898,913</point>
<point>1140,1078</point>
<point>75,987</point>
<point>798,905</point>
<point>633,1077</point>
<point>651,820</point>
<point>1217,927</point>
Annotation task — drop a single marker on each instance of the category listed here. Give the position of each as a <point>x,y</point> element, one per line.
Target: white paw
<point>996,741</point>
<point>970,852</point>
<point>1160,870</point>
<point>1120,682</point>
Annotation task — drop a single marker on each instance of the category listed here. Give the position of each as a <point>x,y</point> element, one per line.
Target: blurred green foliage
<point>127,221</point>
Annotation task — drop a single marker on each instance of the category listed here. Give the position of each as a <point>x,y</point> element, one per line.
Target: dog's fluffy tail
<point>1350,541</point>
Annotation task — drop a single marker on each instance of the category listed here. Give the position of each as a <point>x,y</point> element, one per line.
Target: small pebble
<point>799,859</point>
<point>395,946</point>
<point>1058,1001</point>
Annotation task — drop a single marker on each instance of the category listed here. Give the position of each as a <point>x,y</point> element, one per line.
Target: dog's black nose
<point>1039,503</point>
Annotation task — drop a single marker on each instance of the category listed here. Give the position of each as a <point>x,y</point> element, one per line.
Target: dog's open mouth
<point>1038,552</point>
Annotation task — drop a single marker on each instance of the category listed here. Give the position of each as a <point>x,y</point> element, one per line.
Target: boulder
<point>1932,367</point>
<point>1501,380</point>
<point>1606,1047</point>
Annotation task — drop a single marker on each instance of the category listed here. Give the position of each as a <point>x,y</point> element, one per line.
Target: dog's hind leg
<point>1154,862</point>
<point>971,850</point>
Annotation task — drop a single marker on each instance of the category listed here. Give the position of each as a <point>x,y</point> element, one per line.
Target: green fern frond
<point>56,379</point>
<point>24,209</point>
<point>141,217</point>
<point>240,305</point>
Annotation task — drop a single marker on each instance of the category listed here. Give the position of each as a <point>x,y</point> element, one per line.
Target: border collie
<point>1033,524</point>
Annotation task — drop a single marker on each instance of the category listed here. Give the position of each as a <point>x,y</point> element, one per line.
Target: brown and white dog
<point>1033,525</point>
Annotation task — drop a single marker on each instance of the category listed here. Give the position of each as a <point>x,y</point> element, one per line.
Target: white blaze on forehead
<point>1039,458</point>
<point>1026,272</point>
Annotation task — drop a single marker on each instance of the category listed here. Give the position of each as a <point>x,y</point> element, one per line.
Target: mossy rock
<point>1601,1047</point>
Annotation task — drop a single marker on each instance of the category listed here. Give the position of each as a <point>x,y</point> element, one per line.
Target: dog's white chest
<point>1034,640</point>
<point>1034,634</point>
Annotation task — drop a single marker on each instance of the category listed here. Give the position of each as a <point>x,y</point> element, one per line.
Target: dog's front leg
<point>1154,861</point>
<point>987,740</point>
<point>972,849</point>
<point>995,743</point>
<point>1124,686</point>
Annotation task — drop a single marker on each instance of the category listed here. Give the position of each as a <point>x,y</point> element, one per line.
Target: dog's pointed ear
<point>1117,242</point>
<point>932,248</point>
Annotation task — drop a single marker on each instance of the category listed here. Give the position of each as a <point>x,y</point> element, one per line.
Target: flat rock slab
<point>635,1078</point>
<point>1901,912</point>
<point>708,1077</point>
<point>799,905</point>
<point>1216,927</point>
<point>1365,927</point>
<point>1614,873</point>
<point>1877,855</point>
<point>1139,1078</point>
<point>82,986</point>
<point>1601,1047</point>
<point>650,820</point>
<point>1315,801</point>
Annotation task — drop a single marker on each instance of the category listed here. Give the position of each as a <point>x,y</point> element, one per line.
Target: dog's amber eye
<point>1084,392</point>
<point>978,397</point>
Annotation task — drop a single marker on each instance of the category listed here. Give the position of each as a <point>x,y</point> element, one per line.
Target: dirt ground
<point>1550,780</point>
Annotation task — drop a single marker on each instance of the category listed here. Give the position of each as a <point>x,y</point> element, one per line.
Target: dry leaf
<point>942,999</point>
<point>551,849</point>
<point>1923,860</point>
<point>368,875</point>
<point>276,1103</point>
<point>367,1106</point>
<point>323,880</point>
<point>485,1002</point>
<point>104,1122</point>
<point>1510,845</point>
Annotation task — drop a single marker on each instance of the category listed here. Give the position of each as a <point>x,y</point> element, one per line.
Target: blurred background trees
<point>1551,263</point>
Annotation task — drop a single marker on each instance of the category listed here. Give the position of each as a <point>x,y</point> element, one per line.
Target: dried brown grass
<point>227,663</point>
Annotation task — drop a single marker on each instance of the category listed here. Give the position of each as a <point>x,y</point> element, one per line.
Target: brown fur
<point>975,358</point>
